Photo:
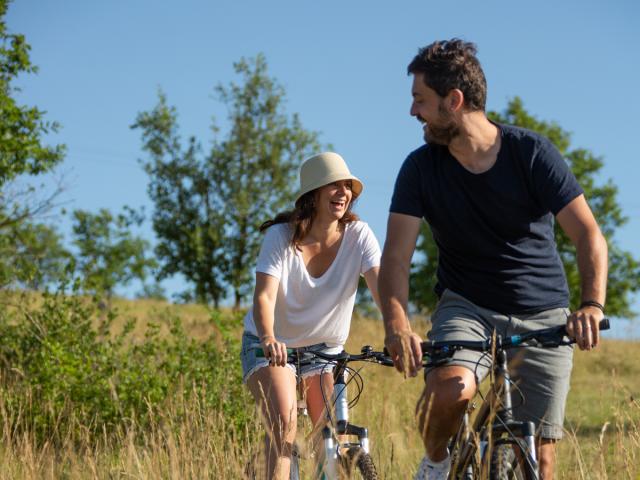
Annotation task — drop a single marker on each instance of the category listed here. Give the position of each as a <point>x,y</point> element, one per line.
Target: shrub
<point>62,369</point>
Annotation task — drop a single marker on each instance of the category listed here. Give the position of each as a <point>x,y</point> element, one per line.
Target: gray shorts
<point>541,374</point>
<point>251,362</point>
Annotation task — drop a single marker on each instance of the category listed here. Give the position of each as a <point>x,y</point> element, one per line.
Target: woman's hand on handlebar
<point>274,350</point>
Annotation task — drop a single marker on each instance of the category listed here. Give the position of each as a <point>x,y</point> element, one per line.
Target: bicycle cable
<point>353,376</point>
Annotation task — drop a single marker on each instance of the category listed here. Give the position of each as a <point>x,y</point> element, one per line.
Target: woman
<point>306,280</point>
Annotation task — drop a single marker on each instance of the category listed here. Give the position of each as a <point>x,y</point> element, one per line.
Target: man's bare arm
<point>577,221</point>
<point>393,285</point>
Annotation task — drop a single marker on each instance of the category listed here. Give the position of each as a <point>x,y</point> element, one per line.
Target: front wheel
<point>509,461</point>
<point>356,463</point>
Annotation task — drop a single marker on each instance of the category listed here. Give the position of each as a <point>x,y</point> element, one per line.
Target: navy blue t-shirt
<point>494,230</point>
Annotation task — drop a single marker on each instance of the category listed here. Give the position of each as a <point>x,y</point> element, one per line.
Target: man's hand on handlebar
<point>405,351</point>
<point>583,326</point>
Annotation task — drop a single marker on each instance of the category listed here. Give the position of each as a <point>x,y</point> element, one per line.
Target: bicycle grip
<point>260,352</point>
<point>604,324</point>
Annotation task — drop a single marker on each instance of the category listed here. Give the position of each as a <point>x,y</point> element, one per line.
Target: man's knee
<point>450,387</point>
<point>446,394</point>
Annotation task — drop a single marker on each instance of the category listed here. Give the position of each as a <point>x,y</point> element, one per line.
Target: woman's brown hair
<point>302,216</point>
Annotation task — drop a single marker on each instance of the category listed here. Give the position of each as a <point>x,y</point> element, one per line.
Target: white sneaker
<point>429,470</point>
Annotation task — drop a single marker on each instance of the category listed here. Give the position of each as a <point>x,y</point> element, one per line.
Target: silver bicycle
<point>345,445</point>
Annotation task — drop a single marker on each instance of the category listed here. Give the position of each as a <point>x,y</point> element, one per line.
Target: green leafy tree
<point>209,207</point>
<point>21,127</point>
<point>31,256</point>
<point>187,218</point>
<point>624,269</point>
<point>109,253</point>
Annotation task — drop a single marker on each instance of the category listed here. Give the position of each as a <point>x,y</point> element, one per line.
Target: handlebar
<point>303,356</point>
<point>546,337</point>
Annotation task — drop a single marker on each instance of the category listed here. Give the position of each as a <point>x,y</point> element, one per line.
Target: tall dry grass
<point>602,441</point>
<point>200,444</point>
<point>602,437</point>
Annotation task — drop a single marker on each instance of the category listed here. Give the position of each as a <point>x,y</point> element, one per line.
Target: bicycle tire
<point>508,462</point>
<point>356,463</point>
<point>463,465</point>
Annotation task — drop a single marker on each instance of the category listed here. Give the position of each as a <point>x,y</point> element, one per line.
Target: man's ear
<point>455,100</point>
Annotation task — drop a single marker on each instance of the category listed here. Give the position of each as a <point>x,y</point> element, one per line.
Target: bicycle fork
<point>506,423</point>
<point>330,438</point>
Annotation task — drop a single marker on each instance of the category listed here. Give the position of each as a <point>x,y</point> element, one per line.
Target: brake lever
<point>382,359</point>
<point>387,362</point>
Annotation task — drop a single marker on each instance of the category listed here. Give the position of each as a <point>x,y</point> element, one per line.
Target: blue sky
<point>343,66</point>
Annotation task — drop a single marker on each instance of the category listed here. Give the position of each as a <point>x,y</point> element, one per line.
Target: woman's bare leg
<point>314,387</point>
<point>274,389</point>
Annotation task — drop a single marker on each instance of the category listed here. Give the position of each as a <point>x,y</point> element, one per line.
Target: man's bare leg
<point>441,407</point>
<point>546,457</point>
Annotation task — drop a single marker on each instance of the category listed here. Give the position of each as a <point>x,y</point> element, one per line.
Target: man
<point>490,194</point>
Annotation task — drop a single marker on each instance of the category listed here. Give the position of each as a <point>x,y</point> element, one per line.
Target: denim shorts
<point>252,363</point>
<point>541,374</point>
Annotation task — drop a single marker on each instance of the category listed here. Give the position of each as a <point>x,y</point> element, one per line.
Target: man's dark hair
<point>450,64</point>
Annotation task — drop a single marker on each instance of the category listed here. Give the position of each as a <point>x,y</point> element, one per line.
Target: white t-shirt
<point>312,310</point>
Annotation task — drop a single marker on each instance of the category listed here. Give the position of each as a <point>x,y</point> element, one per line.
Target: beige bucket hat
<point>323,169</point>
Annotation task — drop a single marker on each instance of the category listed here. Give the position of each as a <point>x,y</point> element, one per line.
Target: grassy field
<point>602,439</point>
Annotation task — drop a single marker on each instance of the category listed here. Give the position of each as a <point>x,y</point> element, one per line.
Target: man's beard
<point>441,133</point>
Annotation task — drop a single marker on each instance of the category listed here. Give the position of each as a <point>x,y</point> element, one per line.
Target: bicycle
<point>496,446</point>
<point>342,459</point>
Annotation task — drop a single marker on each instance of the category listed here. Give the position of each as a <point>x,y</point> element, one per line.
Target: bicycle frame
<point>492,423</point>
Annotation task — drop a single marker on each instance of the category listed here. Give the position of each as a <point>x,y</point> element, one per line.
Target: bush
<point>62,370</point>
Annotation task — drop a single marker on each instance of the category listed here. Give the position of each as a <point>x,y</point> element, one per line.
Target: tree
<point>21,127</point>
<point>209,208</point>
<point>258,165</point>
<point>624,270</point>
<point>187,218</point>
<point>109,254</point>
<point>31,256</point>
<point>25,246</point>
